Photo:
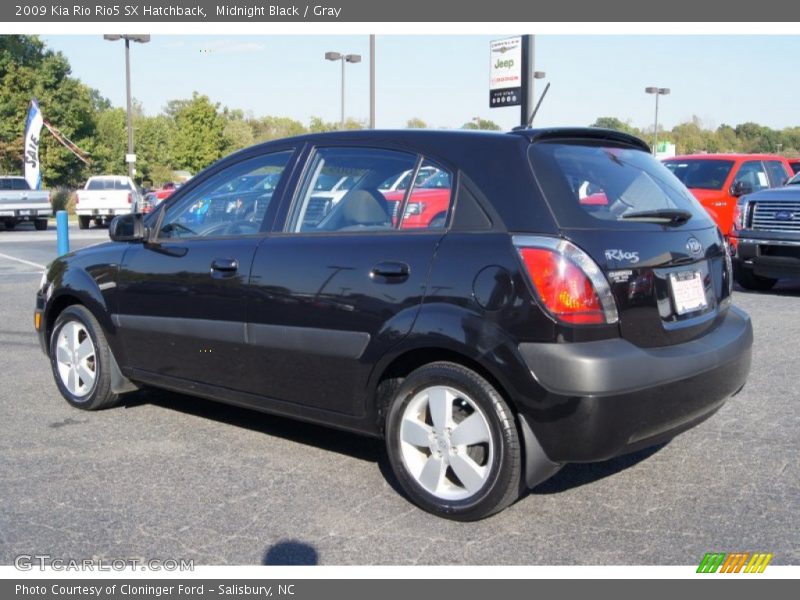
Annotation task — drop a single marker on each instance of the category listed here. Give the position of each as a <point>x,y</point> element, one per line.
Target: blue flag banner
<point>33,127</point>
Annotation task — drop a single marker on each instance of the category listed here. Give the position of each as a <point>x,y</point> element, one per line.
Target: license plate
<point>688,292</point>
<point>24,213</point>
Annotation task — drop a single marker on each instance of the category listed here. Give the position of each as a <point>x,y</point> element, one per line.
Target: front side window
<point>752,173</point>
<point>776,172</point>
<point>231,203</point>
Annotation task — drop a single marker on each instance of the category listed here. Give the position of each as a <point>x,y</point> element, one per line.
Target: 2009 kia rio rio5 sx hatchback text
<point>570,301</point>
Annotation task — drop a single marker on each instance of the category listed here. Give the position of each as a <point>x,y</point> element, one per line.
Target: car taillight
<point>567,281</point>
<point>130,198</point>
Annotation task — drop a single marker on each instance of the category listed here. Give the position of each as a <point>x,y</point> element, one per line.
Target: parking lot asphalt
<point>172,476</point>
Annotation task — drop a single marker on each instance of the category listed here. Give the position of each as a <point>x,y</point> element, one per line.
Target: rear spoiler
<point>591,133</point>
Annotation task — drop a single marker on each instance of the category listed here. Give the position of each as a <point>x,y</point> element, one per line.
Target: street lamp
<point>658,92</point>
<point>142,39</point>
<point>351,58</point>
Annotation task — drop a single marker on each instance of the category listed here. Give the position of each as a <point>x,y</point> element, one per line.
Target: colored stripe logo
<point>736,562</point>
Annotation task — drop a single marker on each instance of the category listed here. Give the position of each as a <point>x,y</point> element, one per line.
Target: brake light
<point>130,198</point>
<point>568,282</point>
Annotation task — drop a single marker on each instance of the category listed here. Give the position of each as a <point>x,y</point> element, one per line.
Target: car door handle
<point>225,265</point>
<point>390,272</point>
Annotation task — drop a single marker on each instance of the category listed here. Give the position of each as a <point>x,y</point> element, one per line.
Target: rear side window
<point>594,186</point>
<point>371,189</point>
<point>776,172</point>
<point>701,174</point>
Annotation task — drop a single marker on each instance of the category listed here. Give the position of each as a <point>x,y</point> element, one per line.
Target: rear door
<point>182,296</point>
<point>662,255</point>
<point>331,292</point>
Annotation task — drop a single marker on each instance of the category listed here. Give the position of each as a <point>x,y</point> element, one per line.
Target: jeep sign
<point>505,72</point>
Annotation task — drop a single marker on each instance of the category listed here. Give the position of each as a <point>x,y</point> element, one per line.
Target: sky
<point>444,80</point>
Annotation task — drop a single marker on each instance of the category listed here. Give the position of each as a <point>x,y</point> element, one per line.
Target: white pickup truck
<point>18,203</point>
<point>104,197</point>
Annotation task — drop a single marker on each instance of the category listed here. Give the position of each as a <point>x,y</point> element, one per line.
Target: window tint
<point>703,174</point>
<point>231,203</point>
<point>342,191</point>
<point>753,172</point>
<point>594,186</point>
<point>776,172</point>
<point>429,203</point>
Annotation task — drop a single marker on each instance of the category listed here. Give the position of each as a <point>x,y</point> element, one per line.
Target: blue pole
<point>62,232</point>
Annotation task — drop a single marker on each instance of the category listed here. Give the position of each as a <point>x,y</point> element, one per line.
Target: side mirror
<point>740,188</point>
<point>127,228</point>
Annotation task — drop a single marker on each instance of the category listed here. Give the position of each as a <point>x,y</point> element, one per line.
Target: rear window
<point>108,184</point>
<point>701,174</point>
<point>13,183</point>
<point>591,186</point>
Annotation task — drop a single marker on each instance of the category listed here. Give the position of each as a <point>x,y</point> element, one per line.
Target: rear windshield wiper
<point>668,216</point>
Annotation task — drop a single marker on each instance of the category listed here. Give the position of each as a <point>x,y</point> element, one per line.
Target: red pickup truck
<point>717,180</point>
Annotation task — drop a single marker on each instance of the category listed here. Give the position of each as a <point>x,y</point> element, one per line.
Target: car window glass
<point>342,191</point>
<point>231,203</point>
<point>752,173</point>
<point>703,174</point>
<point>429,203</point>
<point>776,172</point>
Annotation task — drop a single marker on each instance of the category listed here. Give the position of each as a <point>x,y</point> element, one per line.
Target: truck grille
<point>777,215</point>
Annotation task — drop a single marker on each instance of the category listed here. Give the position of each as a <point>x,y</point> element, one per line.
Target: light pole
<point>351,58</point>
<point>372,81</point>
<point>142,39</point>
<point>658,92</point>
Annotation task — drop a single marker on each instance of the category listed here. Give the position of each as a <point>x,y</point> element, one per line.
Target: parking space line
<point>23,261</point>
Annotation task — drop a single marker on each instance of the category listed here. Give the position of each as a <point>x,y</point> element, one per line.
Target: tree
<point>199,137</point>
<point>617,125</point>
<point>29,70</point>
<point>482,124</point>
<point>416,123</point>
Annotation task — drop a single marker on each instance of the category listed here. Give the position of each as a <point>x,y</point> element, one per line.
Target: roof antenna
<point>538,104</point>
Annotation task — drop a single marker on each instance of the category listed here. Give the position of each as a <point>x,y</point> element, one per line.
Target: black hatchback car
<point>568,300</point>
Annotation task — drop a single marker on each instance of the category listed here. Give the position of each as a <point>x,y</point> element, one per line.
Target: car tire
<point>750,281</point>
<point>9,225</point>
<point>460,473</point>
<point>81,360</point>
<point>83,222</point>
<point>40,224</point>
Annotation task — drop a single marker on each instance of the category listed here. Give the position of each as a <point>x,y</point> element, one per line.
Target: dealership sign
<point>505,72</point>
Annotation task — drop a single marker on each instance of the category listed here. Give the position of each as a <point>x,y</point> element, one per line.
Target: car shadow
<point>789,288</point>
<point>357,446</point>
<point>343,442</point>
<point>578,474</point>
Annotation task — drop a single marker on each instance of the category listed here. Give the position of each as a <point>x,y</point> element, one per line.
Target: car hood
<point>789,192</point>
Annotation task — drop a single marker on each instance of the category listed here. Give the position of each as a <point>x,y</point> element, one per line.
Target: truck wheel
<point>750,281</point>
<point>80,358</point>
<point>40,224</point>
<point>10,224</point>
<point>453,443</point>
<point>83,222</point>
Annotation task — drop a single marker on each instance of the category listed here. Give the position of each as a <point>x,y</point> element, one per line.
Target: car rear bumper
<point>610,397</point>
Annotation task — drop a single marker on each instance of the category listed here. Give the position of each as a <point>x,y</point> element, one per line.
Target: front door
<point>182,307</point>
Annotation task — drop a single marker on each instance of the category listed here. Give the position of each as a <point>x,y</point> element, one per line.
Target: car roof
<point>460,136</point>
<point>726,156</point>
